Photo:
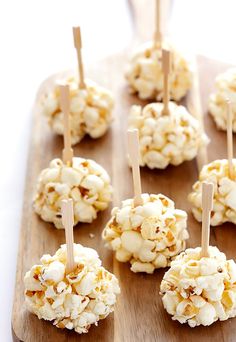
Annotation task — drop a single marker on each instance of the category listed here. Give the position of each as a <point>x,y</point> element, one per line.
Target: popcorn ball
<point>145,77</point>
<point>224,202</point>
<point>149,235</point>
<point>85,182</point>
<point>166,139</point>
<point>75,300</point>
<point>200,290</point>
<point>90,110</point>
<point>225,89</point>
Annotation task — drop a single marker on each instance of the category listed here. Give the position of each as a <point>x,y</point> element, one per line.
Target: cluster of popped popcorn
<point>166,139</point>
<point>199,290</point>
<point>225,89</point>
<point>145,77</point>
<point>75,300</point>
<point>85,181</point>
<point>90,110</point>
<point>149,235</point>
<point>224,202</point>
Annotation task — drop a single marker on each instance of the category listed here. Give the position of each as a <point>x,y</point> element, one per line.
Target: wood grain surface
<point>139,314</point>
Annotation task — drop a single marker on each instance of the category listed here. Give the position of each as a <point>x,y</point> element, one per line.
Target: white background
<point>36,41</point>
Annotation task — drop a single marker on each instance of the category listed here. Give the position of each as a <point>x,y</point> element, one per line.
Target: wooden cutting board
<point>139,315</point>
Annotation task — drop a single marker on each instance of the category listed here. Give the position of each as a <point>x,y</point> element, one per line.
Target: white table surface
<point>34,36</point>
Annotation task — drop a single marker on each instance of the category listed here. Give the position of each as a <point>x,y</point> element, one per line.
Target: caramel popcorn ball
<point>166,139</point>
<point>225,89</point>
<point>149,235</point>
<point>199,290</point>
<point>90,110</point>
<point>74,300</point>
<point>85,182</point>
<point>145,77</point>
<point>224,202</point>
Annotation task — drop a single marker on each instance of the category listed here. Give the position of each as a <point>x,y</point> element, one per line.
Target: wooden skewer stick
<point>133,149</point>
<point>207,205</point>
<point>68,223</point>
<point>166,68</point>
<point>67,153</point>
<point>230,139</point>
<point>78,46</point>
<point>158,34</point>
<point>194,106</point>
